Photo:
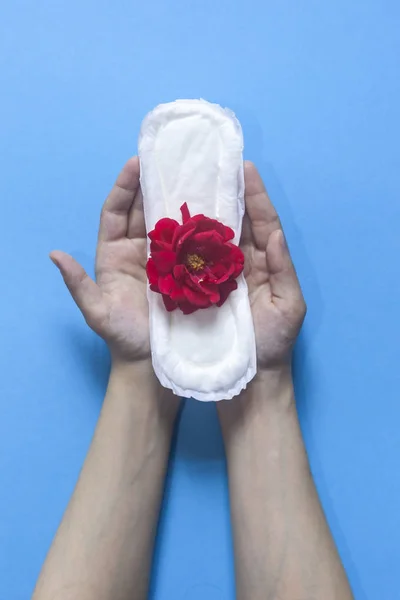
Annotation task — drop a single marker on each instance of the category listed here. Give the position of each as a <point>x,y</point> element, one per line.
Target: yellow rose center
<point>195,262</point>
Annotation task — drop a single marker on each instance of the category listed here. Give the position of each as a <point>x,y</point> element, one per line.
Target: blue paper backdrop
<point>316,86</point>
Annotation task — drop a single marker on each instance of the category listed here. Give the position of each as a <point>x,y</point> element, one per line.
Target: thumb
<point>284,283</point>
<point>82,288</point>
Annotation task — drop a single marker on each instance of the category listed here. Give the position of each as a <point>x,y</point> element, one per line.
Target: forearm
<point>103,548</point>
<point>283,546</point>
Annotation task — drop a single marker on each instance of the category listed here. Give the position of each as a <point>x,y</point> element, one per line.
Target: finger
<point>114,215</point>
<point>82,288</point>
<point>284,282</point>
<point>247,234</point>
<point>136,224</point>
<point>263,216</point>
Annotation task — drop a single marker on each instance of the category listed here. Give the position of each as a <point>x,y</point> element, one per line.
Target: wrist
<point>271,390</point>
<point>135,382</point>
<point>273,383</point>
<point>130,369</point>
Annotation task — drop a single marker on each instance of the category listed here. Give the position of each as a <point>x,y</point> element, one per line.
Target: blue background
<point>316,86</point>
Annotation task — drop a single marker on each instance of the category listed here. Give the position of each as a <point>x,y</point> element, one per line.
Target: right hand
<point>115,305</point>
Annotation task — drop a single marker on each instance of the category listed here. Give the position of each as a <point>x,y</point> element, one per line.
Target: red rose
<point>193,265</point>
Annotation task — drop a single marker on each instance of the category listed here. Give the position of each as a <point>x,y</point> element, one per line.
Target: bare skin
<point>115,306</point>
<point>283,546</point>
<point>103,548</point>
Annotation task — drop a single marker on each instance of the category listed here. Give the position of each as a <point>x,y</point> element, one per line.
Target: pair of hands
<point>115,306</point>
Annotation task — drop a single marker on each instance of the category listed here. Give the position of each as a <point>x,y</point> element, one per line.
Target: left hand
<point>275,295</point>
<point>115,305</point>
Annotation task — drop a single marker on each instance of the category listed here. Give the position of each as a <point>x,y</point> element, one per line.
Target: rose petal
<point>166,284</point>
<point>170,287</point>
<point>235,252</point>
<point>221,272</point>
<point>200,218</point>
<point>185,213</point>
<point>212,292</point>
<point>214,272</point>
<point>237,257</point>
<point>205,223</point>
<point>199,284</point>
<point>182,233</point>
<point>205,237</point>
<point>177,294</point>
<point>216,252</point>
<point>180,272</point>
<point>229,234</point>
<point>225,289</point>
<point>164,260</point>
<point>152,272</point>
<point>196,298</point>
<point>158,246</point>
<point>169,304</point>
<point>187,308</point>
<point>164,230</point>
<point>238,270</point>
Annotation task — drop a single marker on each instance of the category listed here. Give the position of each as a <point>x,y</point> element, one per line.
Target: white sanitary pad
<point>191,151</point>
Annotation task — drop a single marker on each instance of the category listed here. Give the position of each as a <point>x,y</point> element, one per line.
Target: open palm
<point>275,296</point>
<point>115,306</point>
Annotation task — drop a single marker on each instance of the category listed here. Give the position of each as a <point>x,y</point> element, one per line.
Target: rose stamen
<point>195,262</point>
